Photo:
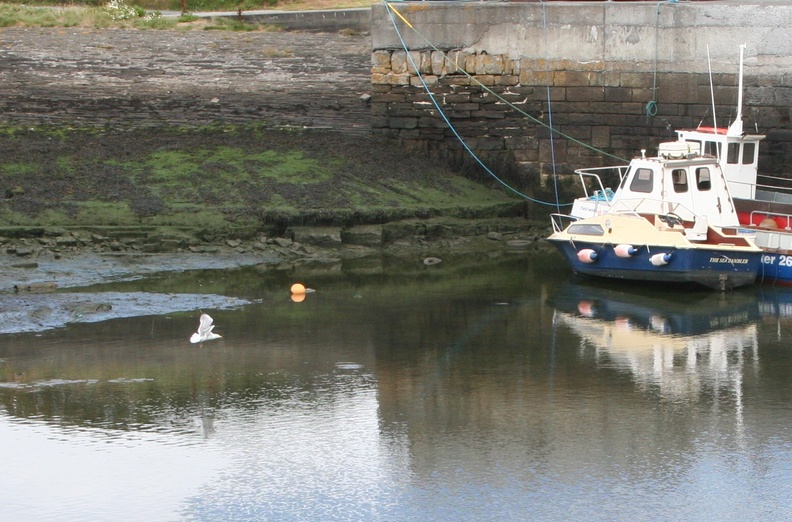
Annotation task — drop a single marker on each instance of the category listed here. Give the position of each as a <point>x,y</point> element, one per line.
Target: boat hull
<point>776,269</point>
<point>702,266</point>
<point>770,223</point>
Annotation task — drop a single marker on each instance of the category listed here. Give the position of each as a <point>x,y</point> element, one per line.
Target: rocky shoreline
<point>51,284</point>
<point>29,262</point>
<point>32,242</point>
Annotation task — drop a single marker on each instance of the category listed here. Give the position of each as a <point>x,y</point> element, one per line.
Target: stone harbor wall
<point>611,78</point>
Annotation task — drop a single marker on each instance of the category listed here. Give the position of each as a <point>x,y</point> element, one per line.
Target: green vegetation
<point>231,24</point>
<point>222,177</point>
<point>207,5</point>
<point>23,15</point>
<point>12,15</point>
<point>145,14</point>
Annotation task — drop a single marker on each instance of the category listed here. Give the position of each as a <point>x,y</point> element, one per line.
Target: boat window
<point>749,151</point>
<point>703,178</point>
<point>679,179</point>
<point>642,181</point>
<point>586,229</point>
<point>733,154</point>
<point>711,148</point>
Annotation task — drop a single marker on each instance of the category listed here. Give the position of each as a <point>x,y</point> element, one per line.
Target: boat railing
<point>782,193</point>
<point>591,179</point>
<point>640,206</point>
<point>779,188</point>
<point>772,215</point>
<point>561,221</point>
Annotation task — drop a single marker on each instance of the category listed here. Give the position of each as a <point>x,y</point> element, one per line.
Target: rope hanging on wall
<point>651,106</point>
<point>392,10</point>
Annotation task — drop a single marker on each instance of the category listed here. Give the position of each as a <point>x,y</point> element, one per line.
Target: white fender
<point>625,250</point>
<point>586,255</point>
<point>660,259</point>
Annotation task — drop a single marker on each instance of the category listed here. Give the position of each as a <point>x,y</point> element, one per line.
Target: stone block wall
<point>498,86</point>
<point>502,109</point>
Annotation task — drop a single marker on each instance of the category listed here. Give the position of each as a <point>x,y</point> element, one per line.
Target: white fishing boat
<point>641,234</point>
<point>759,207</point>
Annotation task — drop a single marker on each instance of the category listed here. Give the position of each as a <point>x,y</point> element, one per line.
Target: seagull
<point>204,332</point>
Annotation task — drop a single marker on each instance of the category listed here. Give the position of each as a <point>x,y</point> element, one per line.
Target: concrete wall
<point>619,77</point>
<point>321,20</point>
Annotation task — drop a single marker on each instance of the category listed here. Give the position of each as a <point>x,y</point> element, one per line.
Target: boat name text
<point>740,261</point>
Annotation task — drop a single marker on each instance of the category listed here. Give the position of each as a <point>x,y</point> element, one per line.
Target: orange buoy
<point>298,288</point>
<point>298,298</point>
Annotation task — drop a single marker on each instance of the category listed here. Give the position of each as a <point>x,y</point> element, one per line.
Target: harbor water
<point>488,387</point>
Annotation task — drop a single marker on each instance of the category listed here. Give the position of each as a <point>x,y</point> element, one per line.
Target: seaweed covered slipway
<point>213,134</point>
<point>123,143</point>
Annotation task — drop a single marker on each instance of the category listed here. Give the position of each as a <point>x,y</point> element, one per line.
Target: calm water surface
<point>497,388</point>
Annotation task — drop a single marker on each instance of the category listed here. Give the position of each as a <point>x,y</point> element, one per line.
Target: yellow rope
<point>403,19</point>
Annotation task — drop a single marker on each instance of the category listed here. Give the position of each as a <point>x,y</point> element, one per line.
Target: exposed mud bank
<point>43,287</point>
<point>130,127</point>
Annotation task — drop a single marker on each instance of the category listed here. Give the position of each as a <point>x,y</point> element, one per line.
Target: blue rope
<point>448,122</point>
<point>500,98</point>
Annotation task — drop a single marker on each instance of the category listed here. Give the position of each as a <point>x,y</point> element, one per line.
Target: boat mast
<point>712,97</point>
<point>736,128</point>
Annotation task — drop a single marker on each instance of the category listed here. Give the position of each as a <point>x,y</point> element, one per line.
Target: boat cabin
<point>679,180</point>
<point>738,155</point>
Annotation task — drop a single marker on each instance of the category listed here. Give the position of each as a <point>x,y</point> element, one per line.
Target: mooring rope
<point>442,113</point>
<point>490,91</point>
<point>550,106</point>
<point>651,105</point>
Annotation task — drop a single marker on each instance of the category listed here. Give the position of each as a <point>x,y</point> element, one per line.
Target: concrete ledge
<point>669,37</point>
<point>326,21</point>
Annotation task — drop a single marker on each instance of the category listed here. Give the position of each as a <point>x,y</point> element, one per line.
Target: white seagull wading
<point>204,332</point>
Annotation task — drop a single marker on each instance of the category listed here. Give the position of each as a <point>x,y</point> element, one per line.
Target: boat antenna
<point>736,128</point>
<point>701,121</point>
<point>712,95</point>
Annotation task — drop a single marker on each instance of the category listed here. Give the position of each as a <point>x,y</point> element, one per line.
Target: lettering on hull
<point>738,261</point>
<point>782,260</point>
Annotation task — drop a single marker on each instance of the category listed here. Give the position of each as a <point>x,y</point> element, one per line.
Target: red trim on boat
<point>758,219</point>
<point>712,130</point>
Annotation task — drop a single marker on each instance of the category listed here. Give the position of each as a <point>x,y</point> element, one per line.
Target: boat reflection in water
<point>677,346</point>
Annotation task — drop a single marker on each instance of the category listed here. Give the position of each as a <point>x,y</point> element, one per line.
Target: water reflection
<point>680,347</point>
<point>483,389</point>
